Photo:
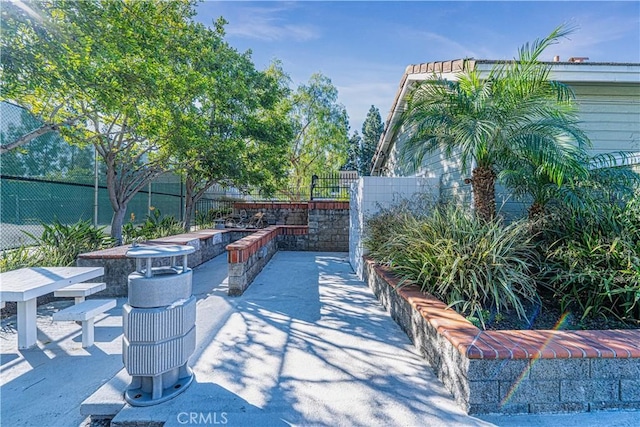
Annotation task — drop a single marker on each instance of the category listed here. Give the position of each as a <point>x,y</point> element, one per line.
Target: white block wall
<point>371,193</point>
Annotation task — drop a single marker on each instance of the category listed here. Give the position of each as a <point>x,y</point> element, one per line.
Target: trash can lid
<point>159,251</point>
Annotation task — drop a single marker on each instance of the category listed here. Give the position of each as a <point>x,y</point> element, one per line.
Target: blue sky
<point>365,46</point>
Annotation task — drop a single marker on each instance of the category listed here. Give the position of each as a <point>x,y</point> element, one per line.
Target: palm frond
<point>531,52</point>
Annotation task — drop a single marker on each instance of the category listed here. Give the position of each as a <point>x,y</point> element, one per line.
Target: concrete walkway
<point>307,344</point>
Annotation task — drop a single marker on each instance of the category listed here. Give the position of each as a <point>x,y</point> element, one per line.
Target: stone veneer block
<point>559,369</point>
<point>514,371</point>
<point>630,390</point>
<point>499,369</point>
<point>589,390</point>
<point>616,368</point>
<point>530,391</point>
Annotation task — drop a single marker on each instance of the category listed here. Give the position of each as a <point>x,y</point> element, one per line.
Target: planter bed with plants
<point>514,371</point>
<point>457,284</point>
<point>578,246</point>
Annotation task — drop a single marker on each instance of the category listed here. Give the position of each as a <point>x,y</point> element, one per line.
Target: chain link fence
<point>48,179</point>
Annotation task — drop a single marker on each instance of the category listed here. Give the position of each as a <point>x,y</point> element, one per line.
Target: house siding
<point>446,169</point>
<point>610,115</point>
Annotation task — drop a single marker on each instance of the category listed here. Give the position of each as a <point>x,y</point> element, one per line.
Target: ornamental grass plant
<point>58,245</point>
<point>471,264</point>
<point>592,260</point>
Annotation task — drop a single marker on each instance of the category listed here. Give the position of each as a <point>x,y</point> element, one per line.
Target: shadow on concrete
<point>312,345</point>
<point>45,384</point>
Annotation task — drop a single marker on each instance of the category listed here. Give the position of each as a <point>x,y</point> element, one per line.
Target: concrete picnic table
<point>26,284</point>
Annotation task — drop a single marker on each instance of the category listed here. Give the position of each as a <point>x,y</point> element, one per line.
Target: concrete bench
<point>80,291</point>
<point>85,312</point>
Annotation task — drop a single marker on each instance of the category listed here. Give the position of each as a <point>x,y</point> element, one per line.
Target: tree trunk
<point>189,203</point>
<point>535,211</point>
<point>484,192</point>
<point>116,223</point>
<point>188,212</point>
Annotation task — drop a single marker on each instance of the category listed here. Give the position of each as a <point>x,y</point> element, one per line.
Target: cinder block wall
<point>276,213</point>
<point>515,371</point>
<point>328,222</point>
<point>329,226</point>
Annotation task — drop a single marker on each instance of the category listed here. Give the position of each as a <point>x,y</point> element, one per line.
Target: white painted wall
<point>371,193</point>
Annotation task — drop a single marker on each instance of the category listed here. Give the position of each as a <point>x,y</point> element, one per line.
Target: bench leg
<point>78,300</point>
<point>27,332</point>
<point>87,333</point>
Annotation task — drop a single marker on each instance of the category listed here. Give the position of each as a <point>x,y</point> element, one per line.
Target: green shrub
<point>593,259</point>
<point>470,264</point>
<point>13,259</point>
<point>153,227</point>
<point>60,244</point>
<point>391,220</point>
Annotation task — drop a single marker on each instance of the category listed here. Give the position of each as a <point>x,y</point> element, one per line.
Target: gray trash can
<point>159,325</point>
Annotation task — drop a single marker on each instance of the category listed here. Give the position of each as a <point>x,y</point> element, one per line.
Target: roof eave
<point>569,72</point>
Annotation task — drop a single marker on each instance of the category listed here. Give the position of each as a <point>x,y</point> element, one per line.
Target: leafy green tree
<point>514,116</point>
<point>353,153</point>
<point>47,156</point>
<point>101,73</point>
<point>372,128</point>
<point>320,142</point>
<point>231,126</point>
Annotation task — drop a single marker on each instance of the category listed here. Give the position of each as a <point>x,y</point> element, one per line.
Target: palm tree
<point>515,116</point>
<point>601,180</point>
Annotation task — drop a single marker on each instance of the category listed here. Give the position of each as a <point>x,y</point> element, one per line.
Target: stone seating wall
<point>117,267</point>
<point>303,226</point>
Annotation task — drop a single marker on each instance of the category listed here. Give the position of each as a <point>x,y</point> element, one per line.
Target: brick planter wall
<point>515,371</point>
<point>248,256</point>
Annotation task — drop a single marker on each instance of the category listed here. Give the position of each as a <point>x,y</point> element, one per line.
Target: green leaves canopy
<point>144,83</point>
<point>321,141</point>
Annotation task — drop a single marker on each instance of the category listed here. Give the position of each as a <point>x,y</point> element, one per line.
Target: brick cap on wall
<point>181,239</point>
<point>513,344</point>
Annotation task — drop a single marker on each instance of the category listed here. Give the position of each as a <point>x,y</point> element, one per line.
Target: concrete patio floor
<point>307,344</point>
